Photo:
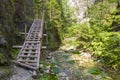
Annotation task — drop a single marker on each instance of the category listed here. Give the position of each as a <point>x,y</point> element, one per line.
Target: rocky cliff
<point>80,7</point>
<point>14,14</point>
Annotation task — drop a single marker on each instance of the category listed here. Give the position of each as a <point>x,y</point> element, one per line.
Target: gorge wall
<point>80,8</point>
<point>14,14</point>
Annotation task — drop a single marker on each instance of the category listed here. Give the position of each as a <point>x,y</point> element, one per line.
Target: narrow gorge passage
<point>76,40</point>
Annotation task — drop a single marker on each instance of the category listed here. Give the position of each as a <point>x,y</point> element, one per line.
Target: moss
<point>5,72</point>
<point>2,58</point>
<point>48,77</point>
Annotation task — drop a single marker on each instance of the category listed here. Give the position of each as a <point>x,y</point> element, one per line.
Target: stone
<point>48,67</point>
<point>62,74</point>
<point>46,71</point>
<point>2,41</point>
<point>41,65</point>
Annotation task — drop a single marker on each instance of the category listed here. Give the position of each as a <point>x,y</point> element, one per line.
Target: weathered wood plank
<point>27,66</point>
<point>16,46</point>
<point>45,35</point>
<point>26,60</point>
<point>44,47</point>
<point>28,56</point>
<point>22,33</point>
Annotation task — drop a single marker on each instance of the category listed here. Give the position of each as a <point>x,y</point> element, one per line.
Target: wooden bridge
<point>29,55</point>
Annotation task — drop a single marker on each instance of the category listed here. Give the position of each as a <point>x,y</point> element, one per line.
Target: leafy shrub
<point>2,58</point>
<point>98,36</point>
<point>107,46</point>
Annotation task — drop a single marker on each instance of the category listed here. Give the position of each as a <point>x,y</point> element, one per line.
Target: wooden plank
<point>45,35</point>
<point>38,59</point>
<point>26,60</point>
<point>16,46</point>
<point>34,39</point>
<point>27,66</point>
<point>25,31</point>
<point>31,42</point>
<point>30,49</point>
<point>29,52</point>
<point>44,47</point>
<point>22,33</point>
<point>28,56</point>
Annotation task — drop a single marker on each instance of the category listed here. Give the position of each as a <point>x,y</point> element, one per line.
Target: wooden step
<point>25,65</point>
<point>19,60</point>
<point>23,52</point>
<point>23,33</point>
<point>28,56</point>
<point>17,46</point>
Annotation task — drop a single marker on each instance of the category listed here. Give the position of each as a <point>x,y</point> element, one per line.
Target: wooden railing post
<point>25,31</point>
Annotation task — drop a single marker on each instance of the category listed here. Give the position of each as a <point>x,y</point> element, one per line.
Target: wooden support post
<point>25,31</point>
<point>25,65</point>
<point>34,74</point>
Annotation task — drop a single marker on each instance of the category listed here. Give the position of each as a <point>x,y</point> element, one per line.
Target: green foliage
<point>65,56</point>
<point>101,14</point>
<point>2,58</point>
<point>112,1</point>
<point>94,71</point>
<point>105,43</point>
<point>57,18</point>
<point>55,70</point>
<point>98,35</point>
<point>71,61</point>
<point>83,32</point>
<point>48,77</point>
<point>14,52</point>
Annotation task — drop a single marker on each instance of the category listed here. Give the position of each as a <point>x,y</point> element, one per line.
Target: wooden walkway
<point>29,55</point>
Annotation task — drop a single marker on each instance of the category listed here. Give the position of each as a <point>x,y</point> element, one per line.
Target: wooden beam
<point>22,33</point>
<point>44,34</point>
<point>44,47</point>
<point>27,66</point>
<point>16,46</point>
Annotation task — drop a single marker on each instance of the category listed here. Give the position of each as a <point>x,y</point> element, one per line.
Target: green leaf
<point>65,56</point>
<point>49,77</point>
<point>55,70</point>
<point>94,71</point>
<point>71,61</point>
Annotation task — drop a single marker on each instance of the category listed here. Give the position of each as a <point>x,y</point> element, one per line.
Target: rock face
<point>21,74</point>
<point>80,7</point>
<point>12,20</point>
